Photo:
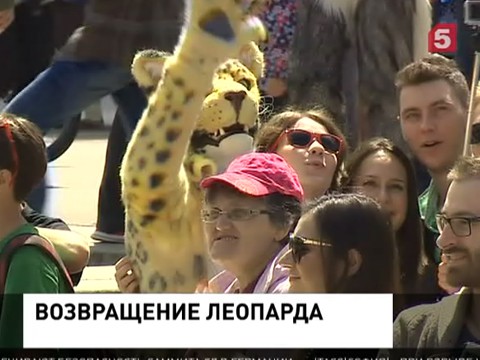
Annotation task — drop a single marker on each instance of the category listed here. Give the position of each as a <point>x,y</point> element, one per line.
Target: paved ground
<point>74,179</point>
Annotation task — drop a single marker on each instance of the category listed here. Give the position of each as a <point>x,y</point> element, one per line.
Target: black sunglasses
<point>300,246</point>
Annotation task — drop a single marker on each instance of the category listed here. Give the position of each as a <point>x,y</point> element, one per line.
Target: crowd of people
<point>302,213</point>
<point>362,228</point>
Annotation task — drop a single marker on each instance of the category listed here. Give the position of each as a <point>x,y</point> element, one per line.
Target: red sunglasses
<point>303,139</point>
<point>8,132</point>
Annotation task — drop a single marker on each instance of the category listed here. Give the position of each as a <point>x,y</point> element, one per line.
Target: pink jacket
<point>274,279</point>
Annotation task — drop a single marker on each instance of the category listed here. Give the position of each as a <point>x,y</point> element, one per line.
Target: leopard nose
<point>235,98</point>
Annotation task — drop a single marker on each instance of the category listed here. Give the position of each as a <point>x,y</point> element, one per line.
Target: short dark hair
<point>353,221</point>
<point>24,155</point>
<point>273,128</point>
<point>431,68</point>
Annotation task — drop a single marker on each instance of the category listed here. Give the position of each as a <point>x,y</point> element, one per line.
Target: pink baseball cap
<point>259,174</point>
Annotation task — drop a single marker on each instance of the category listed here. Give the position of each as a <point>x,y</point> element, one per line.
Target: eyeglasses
<point>461,226</point>
<point>239,214</point>
<point>303,139</point>
<point>8,131</point>
<point>300,246</point>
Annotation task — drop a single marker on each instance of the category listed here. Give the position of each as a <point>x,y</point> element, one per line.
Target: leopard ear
<point>147,67</point>
<point>251,56</point>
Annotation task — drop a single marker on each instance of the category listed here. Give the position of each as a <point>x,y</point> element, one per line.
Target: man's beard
<point>467,272</point>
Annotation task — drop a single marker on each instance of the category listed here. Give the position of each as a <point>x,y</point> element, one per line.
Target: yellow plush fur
<point>206,88</point>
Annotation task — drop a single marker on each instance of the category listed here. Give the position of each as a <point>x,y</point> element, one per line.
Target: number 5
<point>442,39</point>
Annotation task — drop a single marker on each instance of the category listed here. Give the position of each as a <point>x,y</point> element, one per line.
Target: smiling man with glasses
<point>455,321</point>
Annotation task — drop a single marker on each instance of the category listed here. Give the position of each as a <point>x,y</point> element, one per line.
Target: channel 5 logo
<point>442,38</point>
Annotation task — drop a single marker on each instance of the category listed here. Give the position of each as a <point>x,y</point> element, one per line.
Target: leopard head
<point>228,119</point>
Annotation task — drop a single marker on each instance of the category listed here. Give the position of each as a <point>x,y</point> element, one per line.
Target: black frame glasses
<point>299,246</point>
<point>461,225</point>
<point>238,214</point>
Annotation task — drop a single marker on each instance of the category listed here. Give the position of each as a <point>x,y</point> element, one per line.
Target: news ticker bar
<point>241,354</point>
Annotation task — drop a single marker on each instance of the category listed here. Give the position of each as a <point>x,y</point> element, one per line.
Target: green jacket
<point>30,272</point>
<point>429,208</point>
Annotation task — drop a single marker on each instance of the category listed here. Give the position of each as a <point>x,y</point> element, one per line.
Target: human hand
<point>126,280</point>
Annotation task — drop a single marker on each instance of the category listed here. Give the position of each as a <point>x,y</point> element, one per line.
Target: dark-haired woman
<point>381,170</point>
<point>311,143</point>
<point>336,245</point>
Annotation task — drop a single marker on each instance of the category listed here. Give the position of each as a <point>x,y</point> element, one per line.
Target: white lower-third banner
<point>208,321</point>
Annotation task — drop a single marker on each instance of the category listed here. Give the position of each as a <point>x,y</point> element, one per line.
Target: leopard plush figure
<point>206,102</point>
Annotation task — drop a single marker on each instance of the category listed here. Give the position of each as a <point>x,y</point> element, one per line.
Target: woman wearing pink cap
<point>248,213</point>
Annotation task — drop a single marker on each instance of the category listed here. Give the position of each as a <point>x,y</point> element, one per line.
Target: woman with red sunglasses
<point>311,143</point>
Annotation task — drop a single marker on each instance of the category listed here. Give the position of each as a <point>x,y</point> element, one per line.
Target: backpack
<point>30,240</point>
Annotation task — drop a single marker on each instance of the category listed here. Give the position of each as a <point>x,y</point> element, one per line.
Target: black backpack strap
<point>35,240</point>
